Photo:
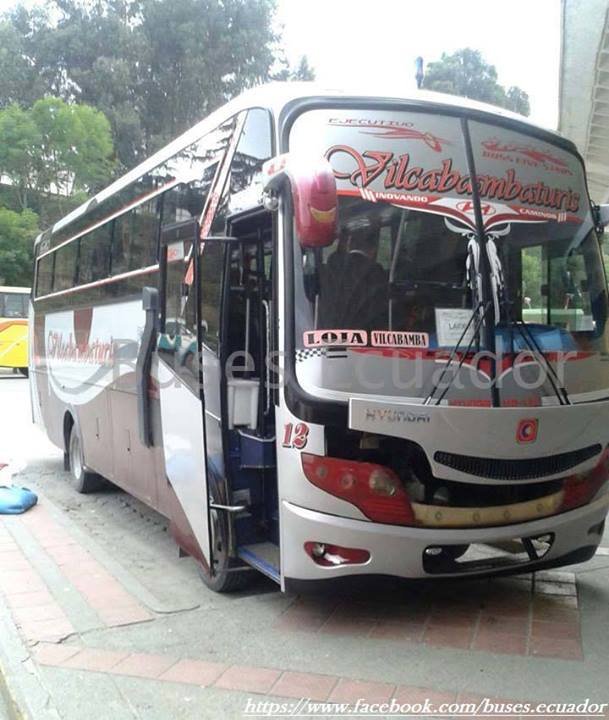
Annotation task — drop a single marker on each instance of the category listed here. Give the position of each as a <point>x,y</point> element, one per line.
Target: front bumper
<point>398,551</point>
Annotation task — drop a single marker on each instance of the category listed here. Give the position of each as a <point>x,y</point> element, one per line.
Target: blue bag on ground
<point>15,500</point>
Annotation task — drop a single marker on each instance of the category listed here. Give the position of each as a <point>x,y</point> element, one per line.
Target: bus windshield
<point>409,274</point>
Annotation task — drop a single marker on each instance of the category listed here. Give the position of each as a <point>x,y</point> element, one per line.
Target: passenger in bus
<point>354,286</point>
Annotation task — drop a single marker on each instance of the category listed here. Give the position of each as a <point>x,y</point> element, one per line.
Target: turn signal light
<point>374,489</point>
<point>580,489</point>
<point>335,555</point>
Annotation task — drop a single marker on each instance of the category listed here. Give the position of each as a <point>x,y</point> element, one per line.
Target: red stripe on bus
<point>10,323</point>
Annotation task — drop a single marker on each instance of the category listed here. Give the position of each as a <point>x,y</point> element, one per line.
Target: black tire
<point>228,575</point>
<point>83,481</point>
<point>24,371</point>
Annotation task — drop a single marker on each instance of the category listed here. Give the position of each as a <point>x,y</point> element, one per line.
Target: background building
<point>584,87</point>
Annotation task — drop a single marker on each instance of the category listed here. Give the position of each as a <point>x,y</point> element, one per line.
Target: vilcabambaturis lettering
<point>401,175</point>
<point>96,353</point>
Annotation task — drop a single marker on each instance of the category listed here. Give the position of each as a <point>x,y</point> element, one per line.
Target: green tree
<point>518,100</point>
<point>197,55</point>
<point>466,73</point>
<point>54,150</point>
<point>19,81</point>
<point>19,143</point>
<point>302,72</point>
<point>17,233</point>
<point>153,67</point>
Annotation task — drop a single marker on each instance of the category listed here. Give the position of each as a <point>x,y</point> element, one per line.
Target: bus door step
<point>262,556</point>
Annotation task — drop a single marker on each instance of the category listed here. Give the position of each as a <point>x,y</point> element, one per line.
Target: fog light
<point>335,555</point>
<point>318,550</point>
<point>433,551</point>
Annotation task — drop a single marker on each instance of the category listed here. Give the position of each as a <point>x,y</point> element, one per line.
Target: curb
<point>114,567</point>
<point>7,703</point>
<point>21,686</point>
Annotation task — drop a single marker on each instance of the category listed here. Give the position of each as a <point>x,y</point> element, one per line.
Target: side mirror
<point>314,195</point>
<point>603,215</point>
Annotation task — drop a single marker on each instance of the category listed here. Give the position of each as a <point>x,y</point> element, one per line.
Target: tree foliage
<point>54,148</point>
<point>302,72</point>
<point>17,233</point>
<point>153,67</point>
<point>88,87</point>
<point>466,73</point>
<point>19,81</point>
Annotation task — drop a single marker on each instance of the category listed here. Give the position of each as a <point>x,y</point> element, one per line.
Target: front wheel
<point>24,371</point>
<point>229,574</point>
<point>83,481</point>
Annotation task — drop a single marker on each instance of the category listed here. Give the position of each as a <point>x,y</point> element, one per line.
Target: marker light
<point>374,489</point>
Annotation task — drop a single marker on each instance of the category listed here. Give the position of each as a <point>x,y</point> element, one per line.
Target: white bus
<point>304,332</point>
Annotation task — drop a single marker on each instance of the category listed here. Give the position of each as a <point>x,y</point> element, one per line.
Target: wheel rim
<point>218,544</point>
<point>75,457</point>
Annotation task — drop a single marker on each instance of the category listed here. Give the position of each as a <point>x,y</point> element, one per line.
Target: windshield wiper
<point>536,352</point>
<point>500,298</point>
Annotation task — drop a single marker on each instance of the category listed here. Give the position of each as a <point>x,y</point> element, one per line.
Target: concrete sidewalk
<point>106,622</point>
<point>100,619</point>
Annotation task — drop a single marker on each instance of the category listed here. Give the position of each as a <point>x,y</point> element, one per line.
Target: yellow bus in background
<point>14,328</point>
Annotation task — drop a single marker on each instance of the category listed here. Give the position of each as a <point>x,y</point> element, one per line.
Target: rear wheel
<point>228,573</point>
<point>24,371</point>
<point>83,480</point>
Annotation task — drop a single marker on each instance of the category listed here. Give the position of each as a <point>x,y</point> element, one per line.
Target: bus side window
<point>94,257</point>
<point>178,323</point>
<point>120,245</point>
<point>65,266</point>
<point>145,228</point>
<point>187,200</point>
<point>198,162</point>
<point>176,297</point>
<point>212,266</point>
<point>44,282</point>
<point>135,238</point>
<point>255,147</point>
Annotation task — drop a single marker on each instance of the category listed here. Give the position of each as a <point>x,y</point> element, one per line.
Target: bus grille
<point>498,469</point>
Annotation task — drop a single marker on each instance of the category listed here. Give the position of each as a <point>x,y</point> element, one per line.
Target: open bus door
<point>180,387</point>
<point>233,334</point>
<point>190,378</point>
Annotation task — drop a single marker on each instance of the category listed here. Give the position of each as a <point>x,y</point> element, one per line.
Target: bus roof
<point>14,289</point>
<point>275,96</point>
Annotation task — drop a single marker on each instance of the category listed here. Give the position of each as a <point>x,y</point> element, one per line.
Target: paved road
<point>3,710</point>
<point>129,614</point>
<point>20,440</point>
